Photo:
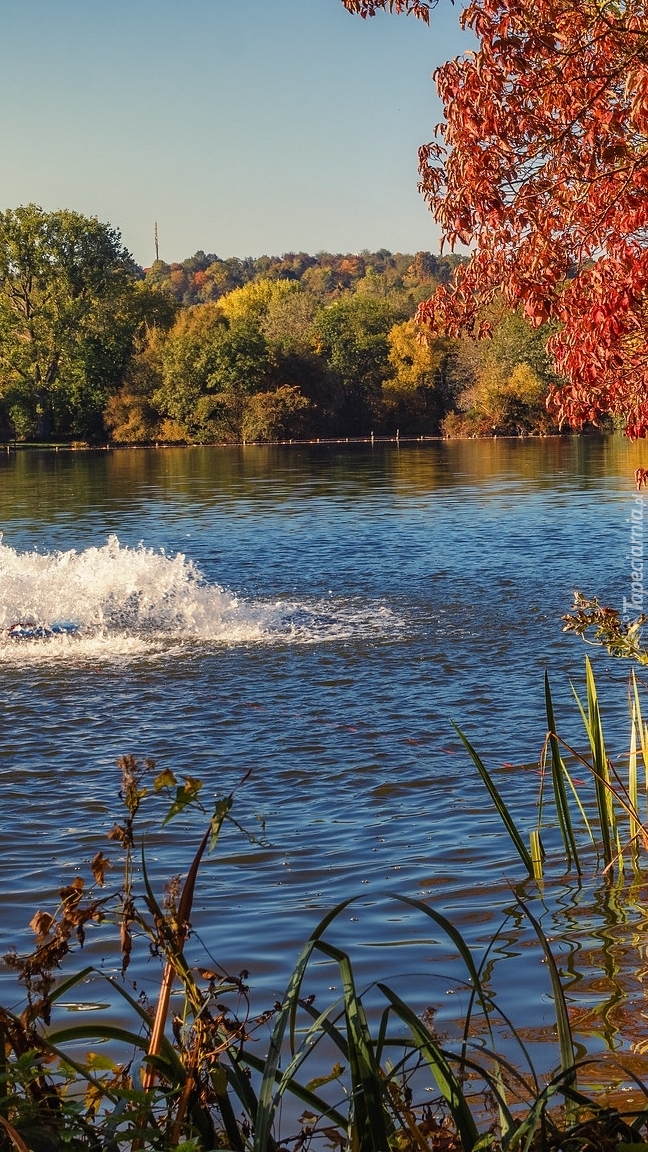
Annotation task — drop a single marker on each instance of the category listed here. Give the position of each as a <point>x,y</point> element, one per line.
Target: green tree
<point>503,383</point>
<point>66,317</point>
<point>352,336</point>
<point>276,415</point>
<point>209,366</point>
<point>288,322</point>
<point>288,327</point>
<point>130,415</point>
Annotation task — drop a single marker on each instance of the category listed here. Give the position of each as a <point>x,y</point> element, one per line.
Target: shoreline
<point>78,446</point>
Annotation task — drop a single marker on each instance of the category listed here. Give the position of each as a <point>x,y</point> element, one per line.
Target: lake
<point>318,616</point>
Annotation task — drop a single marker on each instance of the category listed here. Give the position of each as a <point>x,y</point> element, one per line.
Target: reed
<point>613,826</point>
<point>195,1080</point>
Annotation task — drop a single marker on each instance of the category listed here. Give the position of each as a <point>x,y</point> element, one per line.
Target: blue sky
<point>242,126</point>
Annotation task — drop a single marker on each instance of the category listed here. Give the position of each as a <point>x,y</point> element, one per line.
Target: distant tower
<point>157,250</point>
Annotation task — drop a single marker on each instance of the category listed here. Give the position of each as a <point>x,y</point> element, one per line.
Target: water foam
<point>117,601</point>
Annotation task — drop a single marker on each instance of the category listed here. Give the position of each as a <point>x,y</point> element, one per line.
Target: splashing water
<point>119,601</point>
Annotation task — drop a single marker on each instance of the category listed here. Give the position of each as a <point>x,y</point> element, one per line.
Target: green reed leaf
<point>558,772</point>
<point>66,985</point>
<point>301,1092</point>
<point>103,1031</point>
<point>537,853</point>
<point>269,1097</point>
<point>447,1083</point>
<point>501,807</point>
<point>371,1126</point>
<point>594,729</point>
<point>643,729</point>
<point>563,1027</point>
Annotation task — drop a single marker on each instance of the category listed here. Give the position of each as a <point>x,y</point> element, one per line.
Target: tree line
<point>211,350</point>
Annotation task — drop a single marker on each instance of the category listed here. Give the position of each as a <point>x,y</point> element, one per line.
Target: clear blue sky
<point>242,126</point>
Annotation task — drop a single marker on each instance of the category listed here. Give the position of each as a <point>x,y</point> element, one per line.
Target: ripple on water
<point>319,619</point>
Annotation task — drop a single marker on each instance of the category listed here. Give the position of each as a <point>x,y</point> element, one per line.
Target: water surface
<point>317,616</point>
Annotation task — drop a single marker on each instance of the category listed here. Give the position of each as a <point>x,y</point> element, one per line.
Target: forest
<point>95,349</point>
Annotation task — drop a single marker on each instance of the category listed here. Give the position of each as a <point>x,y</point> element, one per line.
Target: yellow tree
<point>417,395</point>
<point>252,301</point>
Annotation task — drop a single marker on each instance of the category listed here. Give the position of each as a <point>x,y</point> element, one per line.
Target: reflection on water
<point>319,615</point>
<point>46,486</point>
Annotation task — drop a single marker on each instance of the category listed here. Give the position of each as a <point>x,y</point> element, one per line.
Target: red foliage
<point>364,8</point>
<point>542,169</point>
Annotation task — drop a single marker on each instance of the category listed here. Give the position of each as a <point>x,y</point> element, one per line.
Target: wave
<point>118,601</point>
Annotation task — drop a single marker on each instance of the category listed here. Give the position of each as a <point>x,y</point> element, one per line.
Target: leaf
<point>40,924</point>
<point>186,794</point>
<point>558,774</point>
<point>101,1063</point>
<point>100,865</point>
<point>318,1081</point>
<point>73,891</point>
<point>500,806</point>
<point>221,812</point>
<point>166,779</point>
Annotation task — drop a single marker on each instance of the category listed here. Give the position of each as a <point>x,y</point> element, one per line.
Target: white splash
<point>114,601</point>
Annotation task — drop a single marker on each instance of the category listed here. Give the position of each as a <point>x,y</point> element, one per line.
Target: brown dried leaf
<point>126,942</point>
<point>41,923</point>
<point>72,894</point>
<point>100,865</point>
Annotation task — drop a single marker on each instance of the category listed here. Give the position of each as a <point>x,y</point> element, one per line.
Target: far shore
<point>84,446</point>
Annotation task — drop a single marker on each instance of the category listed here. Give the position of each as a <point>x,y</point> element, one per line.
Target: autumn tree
<point>252,302</point>
<point>364,8</point>
<point>495,401</point>
<point>415,397</point>
<point>541,167</point>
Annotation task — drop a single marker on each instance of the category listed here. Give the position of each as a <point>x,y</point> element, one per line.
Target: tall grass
<point>613,826</point>
<point>393,1082</point>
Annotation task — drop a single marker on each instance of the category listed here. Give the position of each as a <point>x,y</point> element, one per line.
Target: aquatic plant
<point>193,1077</point>
<point>607,628</point>
<point>613,827</point>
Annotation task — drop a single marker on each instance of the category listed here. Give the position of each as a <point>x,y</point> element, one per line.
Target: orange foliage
<point>353,266</point>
